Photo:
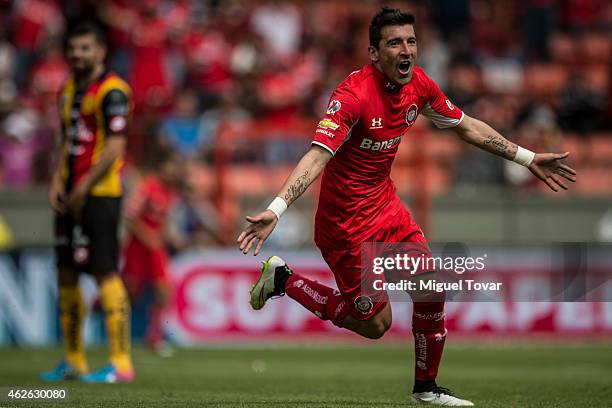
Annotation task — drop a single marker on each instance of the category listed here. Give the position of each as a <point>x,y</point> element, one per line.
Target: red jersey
<point>151,203</point>
<point>366,119</point>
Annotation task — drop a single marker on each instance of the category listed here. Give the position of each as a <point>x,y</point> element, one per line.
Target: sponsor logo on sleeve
<point>325,132</point>
<point>334,106</point>
<point>450,105</point>
<point>411,114</point>
<point>328,124</point>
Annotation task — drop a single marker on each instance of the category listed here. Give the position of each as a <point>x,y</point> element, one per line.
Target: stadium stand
<point>211,82</point>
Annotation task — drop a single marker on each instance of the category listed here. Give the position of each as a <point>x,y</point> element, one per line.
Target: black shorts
<point>91,245</point>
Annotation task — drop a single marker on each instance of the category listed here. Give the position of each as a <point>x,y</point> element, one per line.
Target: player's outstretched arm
<point>261,225</point>
<point>548,167</point>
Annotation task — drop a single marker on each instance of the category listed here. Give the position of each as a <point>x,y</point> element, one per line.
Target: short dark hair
<point>386,17</point>
<point>87,28</point>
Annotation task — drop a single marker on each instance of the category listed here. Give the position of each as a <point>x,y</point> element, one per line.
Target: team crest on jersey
<point>364,304</point>
<point>411,114</point>
<point>334,106</point>
<point>328,124</point>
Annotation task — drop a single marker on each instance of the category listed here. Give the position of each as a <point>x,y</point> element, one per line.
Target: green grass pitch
<point>523,375</point>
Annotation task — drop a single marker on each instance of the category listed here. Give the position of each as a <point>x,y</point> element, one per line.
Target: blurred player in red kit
<point>145,256</point>
<point>369,114</point>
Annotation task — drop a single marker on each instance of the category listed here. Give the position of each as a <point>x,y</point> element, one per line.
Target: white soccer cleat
<point>440,396</point>
<point>274,272</point>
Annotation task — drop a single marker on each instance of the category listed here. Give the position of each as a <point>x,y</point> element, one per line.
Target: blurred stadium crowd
<point>237,86</point>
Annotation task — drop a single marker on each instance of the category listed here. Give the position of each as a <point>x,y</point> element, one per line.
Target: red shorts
<point>355,280</point>
<point>143,265</point>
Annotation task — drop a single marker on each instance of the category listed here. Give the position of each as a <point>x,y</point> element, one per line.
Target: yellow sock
<point>72,313</point>
<point>116,306</point>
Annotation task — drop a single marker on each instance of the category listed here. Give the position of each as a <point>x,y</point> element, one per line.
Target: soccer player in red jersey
<point>145,256</point>
<point>368,115</point>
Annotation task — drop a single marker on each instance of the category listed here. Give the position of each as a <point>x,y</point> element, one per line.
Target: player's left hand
<point>260,229</point>
<point>549,168</point>
<point>76,199</point>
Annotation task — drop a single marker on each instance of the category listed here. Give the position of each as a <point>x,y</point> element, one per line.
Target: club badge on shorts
<point>411,114</point>
<point>364,304</point>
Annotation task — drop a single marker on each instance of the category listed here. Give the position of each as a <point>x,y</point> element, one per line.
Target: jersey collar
<point>102,75</point>
<point>385,82</point>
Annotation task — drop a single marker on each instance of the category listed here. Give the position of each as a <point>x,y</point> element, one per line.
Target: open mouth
<point>404,67</point>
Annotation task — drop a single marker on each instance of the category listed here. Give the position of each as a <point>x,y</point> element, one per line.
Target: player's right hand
<point>57,197</point>
<point>260,228</point>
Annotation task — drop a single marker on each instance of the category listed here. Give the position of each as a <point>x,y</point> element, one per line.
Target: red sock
<point>155,332</point>
<point>323,301</point>
<point>429,336</point>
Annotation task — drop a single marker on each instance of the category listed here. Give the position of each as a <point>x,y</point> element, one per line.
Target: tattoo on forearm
<point>498,144</point>
<point>297,188</point>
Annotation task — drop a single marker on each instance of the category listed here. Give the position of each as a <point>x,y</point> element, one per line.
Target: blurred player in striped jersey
<point>95,106</point>
<point>368,115</point>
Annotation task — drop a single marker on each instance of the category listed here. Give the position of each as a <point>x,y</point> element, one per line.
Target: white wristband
<point>524,156</point>
<point>278,207</point>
